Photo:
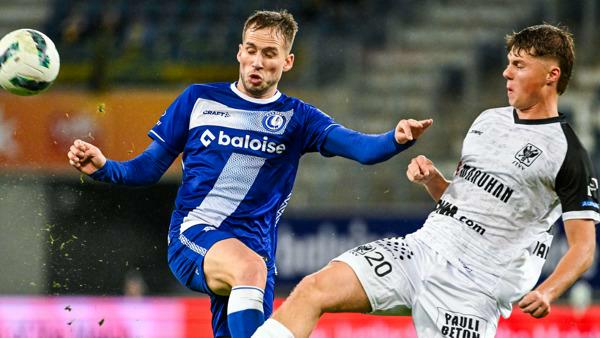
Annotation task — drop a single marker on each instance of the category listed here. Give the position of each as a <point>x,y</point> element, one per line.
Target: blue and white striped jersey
<point>240,158</point>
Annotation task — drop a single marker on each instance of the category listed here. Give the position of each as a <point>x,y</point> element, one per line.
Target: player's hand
<point>421,170</point>
<point>85,157</point>
<point>408,130</point>
<point>536,303</point>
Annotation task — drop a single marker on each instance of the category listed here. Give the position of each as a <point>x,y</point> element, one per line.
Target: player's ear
<point>553,75</point>
<point>289,62</point>
<point>239,53</point>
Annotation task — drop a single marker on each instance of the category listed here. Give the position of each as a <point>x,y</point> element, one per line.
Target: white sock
<point>243,297</point>
<point>272,329</point>
<point>245,310</point>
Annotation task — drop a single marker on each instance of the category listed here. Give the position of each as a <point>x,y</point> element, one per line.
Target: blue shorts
<point>186,258</point>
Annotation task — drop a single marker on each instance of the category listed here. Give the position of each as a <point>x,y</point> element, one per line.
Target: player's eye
<point>270,53</point>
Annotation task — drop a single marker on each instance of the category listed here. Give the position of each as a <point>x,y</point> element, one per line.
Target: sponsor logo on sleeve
<point>590,203</point>
<point>592,186</point>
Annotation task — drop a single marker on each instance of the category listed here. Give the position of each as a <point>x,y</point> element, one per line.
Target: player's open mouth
<point>255,79</point>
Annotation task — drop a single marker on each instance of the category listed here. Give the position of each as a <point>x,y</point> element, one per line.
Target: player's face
<point>263,57</point>
<point>528,79</point>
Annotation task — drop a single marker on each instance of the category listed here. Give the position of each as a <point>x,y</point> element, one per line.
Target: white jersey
<point>515,179</point>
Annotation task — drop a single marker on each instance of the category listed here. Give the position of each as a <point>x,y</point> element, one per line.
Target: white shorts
<point>402,276</point>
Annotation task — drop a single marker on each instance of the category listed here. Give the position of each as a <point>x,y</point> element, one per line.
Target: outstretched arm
<point>422,171</point>
<point>581,236</point>
<point>147,168</point>
<point>371,149</point>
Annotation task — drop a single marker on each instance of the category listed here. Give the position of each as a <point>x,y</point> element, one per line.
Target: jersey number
<point>382,267</point>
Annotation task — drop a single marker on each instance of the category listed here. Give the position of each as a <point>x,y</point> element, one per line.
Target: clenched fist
<point>421,170</point>
<point>85,157</point>
<point>536,303</point>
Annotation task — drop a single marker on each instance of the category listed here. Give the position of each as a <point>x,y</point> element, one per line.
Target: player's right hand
<point>85,157</point>
<point>536,303</point>
<point>421,170</point>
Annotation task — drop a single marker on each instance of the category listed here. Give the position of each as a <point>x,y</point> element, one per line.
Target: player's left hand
<point>408,130</point>
<point>536,303</point>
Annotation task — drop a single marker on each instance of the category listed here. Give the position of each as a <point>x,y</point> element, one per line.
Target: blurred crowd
<point>149,33</point>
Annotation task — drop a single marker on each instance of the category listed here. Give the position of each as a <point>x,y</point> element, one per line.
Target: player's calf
<point>298,315</point>
<point>306,303</point>
<point>335,288</point>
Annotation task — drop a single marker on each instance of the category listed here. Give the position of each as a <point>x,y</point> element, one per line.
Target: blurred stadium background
<point>366,63</point>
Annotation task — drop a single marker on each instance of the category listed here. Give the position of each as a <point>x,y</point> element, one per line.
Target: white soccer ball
<point>29,62</point>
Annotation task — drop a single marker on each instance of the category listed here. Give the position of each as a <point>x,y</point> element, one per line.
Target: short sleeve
<point>172,127</point>
<point>576,182</point>
<point>316,127</point>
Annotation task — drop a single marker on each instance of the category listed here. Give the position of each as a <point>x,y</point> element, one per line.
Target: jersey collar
<point>252,99</point>
<point>559,118</point>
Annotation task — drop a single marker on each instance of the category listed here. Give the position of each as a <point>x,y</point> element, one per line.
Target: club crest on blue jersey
<point>273,121</point>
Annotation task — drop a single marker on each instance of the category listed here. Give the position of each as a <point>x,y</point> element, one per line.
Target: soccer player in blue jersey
<point>240,145</point>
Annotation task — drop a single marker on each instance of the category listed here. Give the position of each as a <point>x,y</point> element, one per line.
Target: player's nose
<point>257,61</point>
<point>507,74</point>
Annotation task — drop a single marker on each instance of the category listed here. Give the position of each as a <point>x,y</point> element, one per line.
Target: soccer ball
<point>29,62</point>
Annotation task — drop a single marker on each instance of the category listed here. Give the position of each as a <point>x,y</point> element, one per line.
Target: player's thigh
<point>335,288</point>
<point>389,271</point>
<point>186,255</point>
<point>229,262</point>
<point>450,304</point>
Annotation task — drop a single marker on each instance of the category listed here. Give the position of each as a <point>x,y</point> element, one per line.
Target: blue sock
<point>245,311</point>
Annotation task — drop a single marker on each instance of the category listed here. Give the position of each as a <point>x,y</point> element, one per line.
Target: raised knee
<point>251,271</point>
<point>309,288</point>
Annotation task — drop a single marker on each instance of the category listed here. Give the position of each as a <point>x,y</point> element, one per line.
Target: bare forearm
<point>581,236</point>
<point>573,264</point>
<point>436,186</point>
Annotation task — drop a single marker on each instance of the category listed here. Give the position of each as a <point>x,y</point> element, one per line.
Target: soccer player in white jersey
<point>241,144</point>
<point>483,248</point>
